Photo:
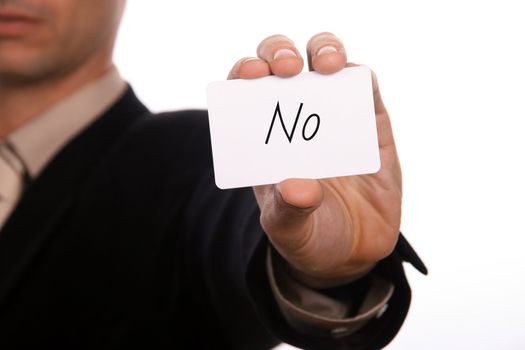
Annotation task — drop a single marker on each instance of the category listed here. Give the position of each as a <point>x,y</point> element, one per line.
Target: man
<point>114,234</point>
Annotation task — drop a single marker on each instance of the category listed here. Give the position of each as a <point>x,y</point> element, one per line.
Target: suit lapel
<point>49,197</point>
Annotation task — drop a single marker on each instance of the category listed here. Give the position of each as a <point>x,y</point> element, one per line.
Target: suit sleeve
<point>256,303</point>
<point>347,314</point>
<point>237,290</point>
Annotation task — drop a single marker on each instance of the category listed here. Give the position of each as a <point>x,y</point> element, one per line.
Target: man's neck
<point>19,103</point>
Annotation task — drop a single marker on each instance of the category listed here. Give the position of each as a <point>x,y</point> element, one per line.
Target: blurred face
<point>41,39</point>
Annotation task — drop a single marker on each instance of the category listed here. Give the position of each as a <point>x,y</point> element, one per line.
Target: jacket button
<point>340,332</point>
<point>382,311</point>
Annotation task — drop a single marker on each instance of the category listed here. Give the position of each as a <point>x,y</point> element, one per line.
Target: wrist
<point>324,279</point>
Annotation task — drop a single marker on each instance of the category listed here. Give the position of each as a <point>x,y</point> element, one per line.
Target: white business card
<point>270,129</point>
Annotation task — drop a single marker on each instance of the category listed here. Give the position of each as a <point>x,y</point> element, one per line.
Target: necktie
<point>11,181</point>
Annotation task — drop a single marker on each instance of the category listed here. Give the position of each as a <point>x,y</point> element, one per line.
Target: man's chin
<point>20,68</point>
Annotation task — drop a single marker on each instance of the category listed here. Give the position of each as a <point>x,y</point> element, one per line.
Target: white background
<point>452,76</point>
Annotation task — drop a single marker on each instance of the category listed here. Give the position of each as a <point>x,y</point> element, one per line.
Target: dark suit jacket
<point>125,241</point>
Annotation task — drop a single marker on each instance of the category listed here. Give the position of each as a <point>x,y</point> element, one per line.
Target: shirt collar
<point>37,141</point>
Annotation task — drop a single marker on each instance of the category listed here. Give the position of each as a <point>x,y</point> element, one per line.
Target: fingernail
<point>284,53</point>
<point>326,50</point>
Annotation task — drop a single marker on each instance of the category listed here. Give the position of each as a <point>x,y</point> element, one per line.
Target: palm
<point>366,208</point>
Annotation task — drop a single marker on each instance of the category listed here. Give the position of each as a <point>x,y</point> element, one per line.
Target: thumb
<point>286,212</point>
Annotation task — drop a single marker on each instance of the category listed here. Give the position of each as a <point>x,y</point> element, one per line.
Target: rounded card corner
<point>220,185</point>
<point>377,167</point>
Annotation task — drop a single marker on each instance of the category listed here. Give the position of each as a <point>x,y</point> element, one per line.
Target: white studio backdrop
<point>452,77</point>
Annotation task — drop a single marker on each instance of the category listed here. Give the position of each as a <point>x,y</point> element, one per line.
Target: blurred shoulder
<point>178,128</point>
<point>180,122</point>
<point>170,142</point>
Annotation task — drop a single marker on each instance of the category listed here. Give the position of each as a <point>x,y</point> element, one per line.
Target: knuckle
<point>276,37</point>
<point>241,61</point>
<point>272,42</point>
<point>322,37</point>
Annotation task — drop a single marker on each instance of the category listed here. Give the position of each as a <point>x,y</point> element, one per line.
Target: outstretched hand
<point>330,231</point>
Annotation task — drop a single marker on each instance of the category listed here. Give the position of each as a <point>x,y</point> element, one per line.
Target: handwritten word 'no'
<point>289,136</point>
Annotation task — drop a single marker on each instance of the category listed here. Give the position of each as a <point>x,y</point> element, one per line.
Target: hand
<point>330,231</point>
